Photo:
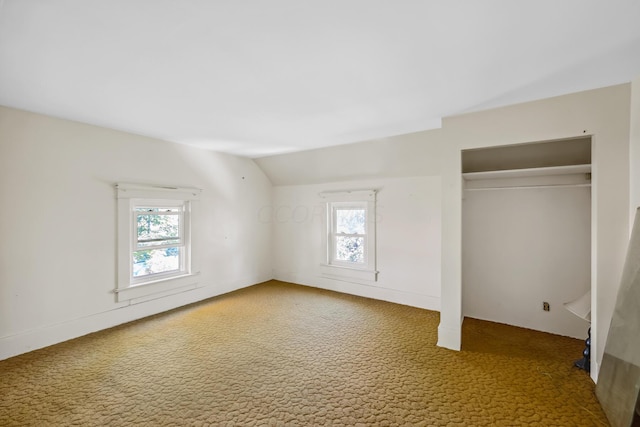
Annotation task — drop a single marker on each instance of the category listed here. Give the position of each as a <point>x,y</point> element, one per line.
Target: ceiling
<point>257,78</point>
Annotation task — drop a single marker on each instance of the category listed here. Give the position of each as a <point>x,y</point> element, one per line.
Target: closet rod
<point>525,187</point>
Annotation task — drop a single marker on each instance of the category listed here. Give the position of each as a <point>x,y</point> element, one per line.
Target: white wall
<point>634,149</point>
<point>58,252</point>
<point>414,154</point>
<point>407,234</point>
<point>602,113</point>
<point>521,247</point>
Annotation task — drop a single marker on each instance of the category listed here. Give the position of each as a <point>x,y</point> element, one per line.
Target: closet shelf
<point>523,173</point>
<point>528,187</point>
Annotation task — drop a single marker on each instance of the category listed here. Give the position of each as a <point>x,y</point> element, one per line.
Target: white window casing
<point>179,203</point>
<point>362,269</point>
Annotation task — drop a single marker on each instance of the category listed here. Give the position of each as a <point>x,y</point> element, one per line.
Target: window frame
<point>132,196</point>
<point>331,267</point>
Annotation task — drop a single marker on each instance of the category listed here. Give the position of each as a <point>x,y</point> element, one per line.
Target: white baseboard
<point>450,337</point>
<point>47,335</point>
<point>368,291</point>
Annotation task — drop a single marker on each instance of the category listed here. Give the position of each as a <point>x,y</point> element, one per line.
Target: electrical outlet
<point>546,306</point>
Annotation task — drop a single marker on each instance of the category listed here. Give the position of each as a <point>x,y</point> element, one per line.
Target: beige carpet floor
<point>278,354</point>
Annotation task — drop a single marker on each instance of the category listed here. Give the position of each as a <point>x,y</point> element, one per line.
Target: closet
<point>526,233</point>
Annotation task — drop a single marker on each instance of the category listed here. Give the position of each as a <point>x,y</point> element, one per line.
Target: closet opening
<point>526,234</point>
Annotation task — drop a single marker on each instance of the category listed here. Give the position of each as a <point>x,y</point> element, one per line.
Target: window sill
<point>157,286</point>
<point>348,274</point>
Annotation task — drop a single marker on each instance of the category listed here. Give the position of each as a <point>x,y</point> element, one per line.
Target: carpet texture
<point>278,354</point>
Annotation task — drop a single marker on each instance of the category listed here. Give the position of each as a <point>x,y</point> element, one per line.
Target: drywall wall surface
<point>415,154</point>
<point>58,252</point>
<point>602,113</point>
<point>522,247</point>
<point>575,151</point>
<point>407,234</point>
<point>634,149</point>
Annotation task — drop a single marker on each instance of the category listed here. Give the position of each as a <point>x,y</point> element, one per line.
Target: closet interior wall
<point>526,228</point>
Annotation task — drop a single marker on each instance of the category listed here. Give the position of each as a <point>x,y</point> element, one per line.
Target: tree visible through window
<point>350,233</point>
<point>159,243</point>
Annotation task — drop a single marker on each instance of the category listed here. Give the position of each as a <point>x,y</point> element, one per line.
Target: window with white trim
<point>160,245</point>
<point>350,236</point>
<point>156,251</point>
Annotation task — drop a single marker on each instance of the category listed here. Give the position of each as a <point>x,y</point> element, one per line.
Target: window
<point>155,240</point>
<point>350,236</point>
<point>160,248</point>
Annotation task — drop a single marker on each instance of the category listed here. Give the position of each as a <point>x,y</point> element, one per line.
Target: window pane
<point>350,249</point>
<point>153,261</point>
<point>157,228</point>
<point>350,221</point>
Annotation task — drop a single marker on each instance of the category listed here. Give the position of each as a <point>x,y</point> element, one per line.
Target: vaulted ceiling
<point>255,77</point>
